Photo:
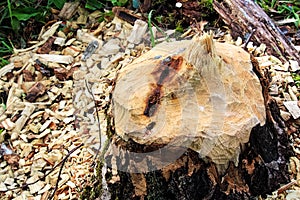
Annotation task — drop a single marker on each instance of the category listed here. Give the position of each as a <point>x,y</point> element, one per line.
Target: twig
<point>62,161</point>
<point>98,119</point>
<point>62,166</point>
<point>286,186</point>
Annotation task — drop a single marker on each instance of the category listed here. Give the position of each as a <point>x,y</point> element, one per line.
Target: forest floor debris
<point>47,110</point>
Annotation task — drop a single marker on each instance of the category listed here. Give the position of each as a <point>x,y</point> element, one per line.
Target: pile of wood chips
<point>50,107</point>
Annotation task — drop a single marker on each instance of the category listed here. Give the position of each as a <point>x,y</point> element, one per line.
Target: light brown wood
<point>198,94</point>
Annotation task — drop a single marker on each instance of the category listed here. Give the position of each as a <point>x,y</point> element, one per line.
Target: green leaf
<point>106,15</point>
<point>123,2</point>
<point>93,4</point>
<point>58,3</point>
<point>296,78</point>
<point>3,106</point>
<point>3,62</point>
<point>15,24</point>
<point>119,2</point>
<point>25,13</point>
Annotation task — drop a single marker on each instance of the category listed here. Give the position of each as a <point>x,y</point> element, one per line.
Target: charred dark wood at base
<point>245,17</point>
<point>269,151</point>
<point>190,177</point>
<point>267,154</point>
<point>262,167</point>
<point>179,185</point>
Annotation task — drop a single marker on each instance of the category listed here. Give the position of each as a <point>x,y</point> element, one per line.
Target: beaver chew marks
<point>196,94</point>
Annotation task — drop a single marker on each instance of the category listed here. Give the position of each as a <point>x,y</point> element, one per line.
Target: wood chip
<point>45,125</point>
<point>55,58</point>
<point>68,10</point>
<point>294,65</point>
<point>293,108</point>
<point>7,68</point>
<point>45,189</point>
<point>34,188</point>
<point>138,31</point>
<point>24,117</point>
<point>2,186</point>
<point>8,124</point>
<point>35,91</point>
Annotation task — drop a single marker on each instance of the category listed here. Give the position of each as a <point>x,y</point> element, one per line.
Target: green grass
<point>3,62</point>
<point>16,15</point>
<point>296,78</point>
<point>287,9</point>
<point>150,28</point>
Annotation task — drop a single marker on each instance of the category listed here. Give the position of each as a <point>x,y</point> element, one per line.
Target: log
<point>245,17</point>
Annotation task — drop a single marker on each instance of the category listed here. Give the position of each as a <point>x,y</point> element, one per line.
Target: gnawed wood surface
<point>192,93</point>
<point>261,166</point>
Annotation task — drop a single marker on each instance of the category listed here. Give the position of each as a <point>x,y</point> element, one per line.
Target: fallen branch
<point>245,16</point>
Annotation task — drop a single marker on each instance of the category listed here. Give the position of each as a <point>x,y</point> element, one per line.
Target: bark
<point>245,17</point>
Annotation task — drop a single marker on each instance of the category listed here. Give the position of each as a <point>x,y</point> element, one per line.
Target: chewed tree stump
<point>190,123</point>
<point>192,93</point>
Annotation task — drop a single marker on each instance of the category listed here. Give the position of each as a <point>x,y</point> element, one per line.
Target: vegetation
<point>18,22</point>
<point>282,9</point>
<point>296,78</point>
<point>21,20</point>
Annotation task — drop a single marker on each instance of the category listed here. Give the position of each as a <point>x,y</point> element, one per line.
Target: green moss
<point>95,190</point>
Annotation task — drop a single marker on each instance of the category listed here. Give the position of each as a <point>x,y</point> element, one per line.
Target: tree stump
<point>191,121</point>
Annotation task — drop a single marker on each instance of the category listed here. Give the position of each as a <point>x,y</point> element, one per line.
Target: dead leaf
<point>63,74</point>
<point>46,48</point>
